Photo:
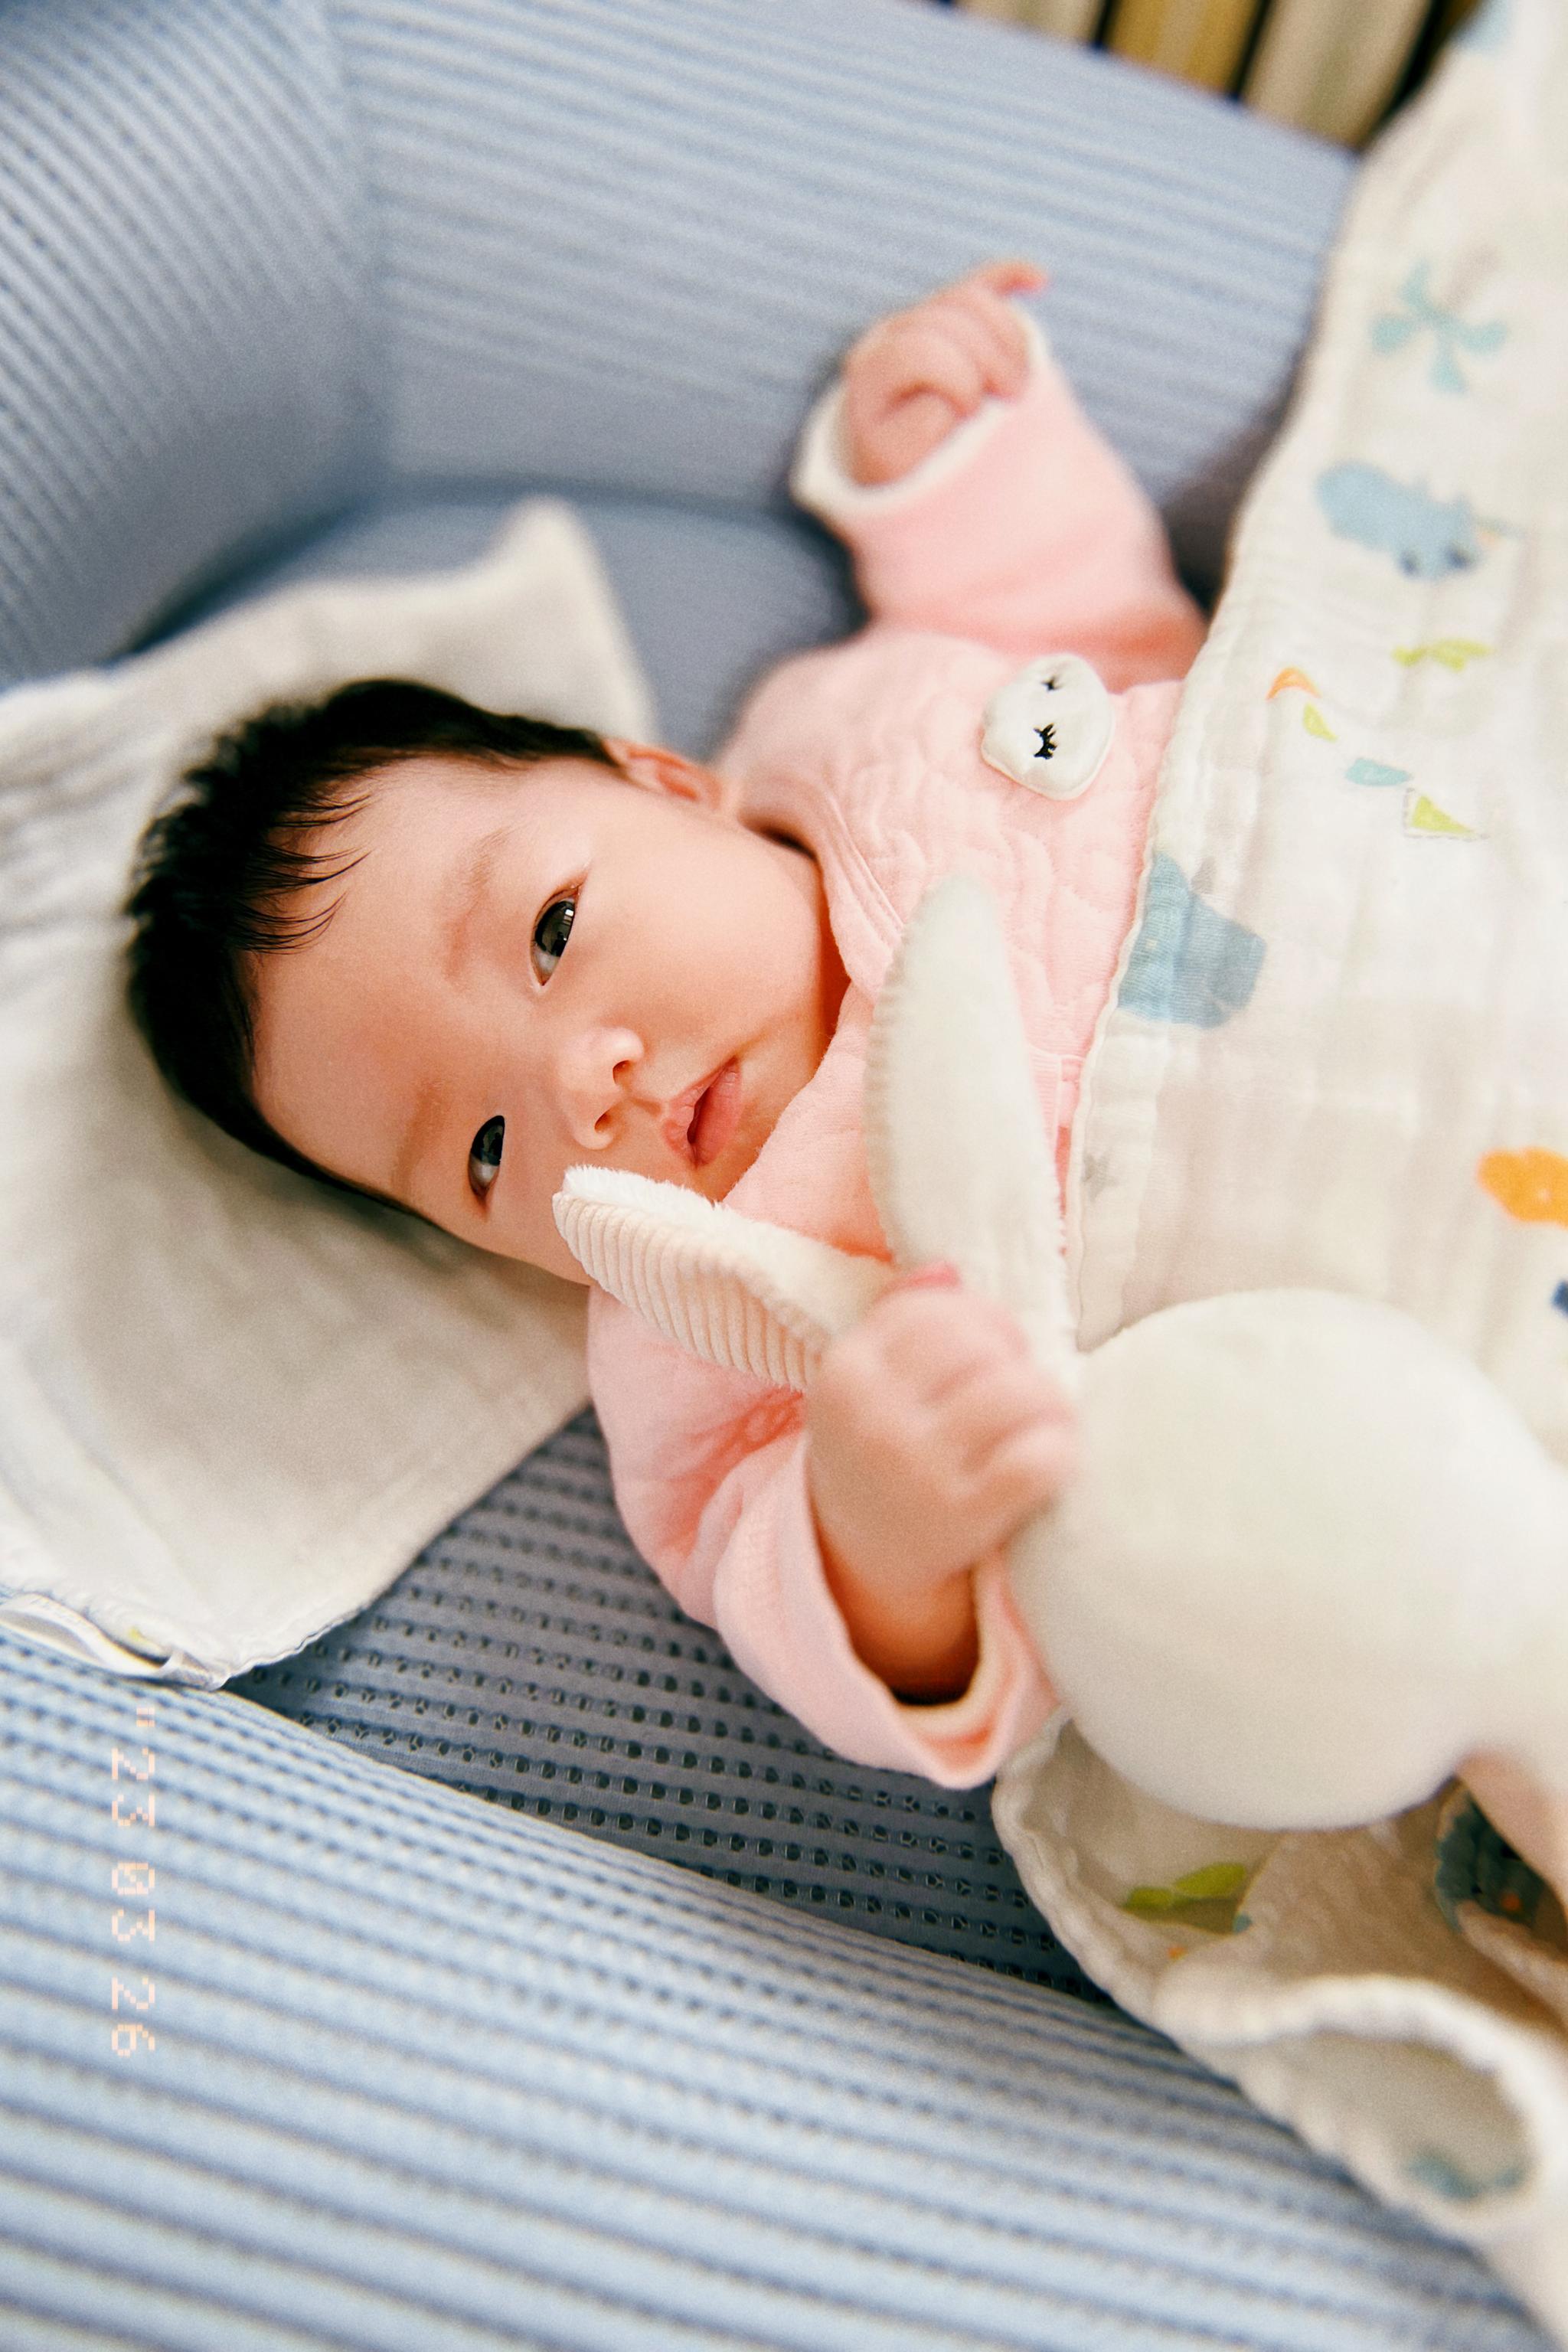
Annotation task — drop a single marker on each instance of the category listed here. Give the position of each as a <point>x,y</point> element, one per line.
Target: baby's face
<point>532,967</point>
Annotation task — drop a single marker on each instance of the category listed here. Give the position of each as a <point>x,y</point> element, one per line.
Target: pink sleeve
<point>714,1497</point>
<point>1023,529</point>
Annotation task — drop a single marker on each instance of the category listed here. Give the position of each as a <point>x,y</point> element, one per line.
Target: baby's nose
<point>597,1068</point>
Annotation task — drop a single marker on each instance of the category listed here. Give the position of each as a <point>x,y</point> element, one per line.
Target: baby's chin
<point>776,1088</point>
<point>722,1175</point>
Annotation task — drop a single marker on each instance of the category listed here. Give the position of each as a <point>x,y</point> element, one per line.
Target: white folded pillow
<point>234,1405</point>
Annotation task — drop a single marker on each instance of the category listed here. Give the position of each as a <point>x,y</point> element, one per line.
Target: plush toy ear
<point>961,1165</point>
<point>734,1291</point>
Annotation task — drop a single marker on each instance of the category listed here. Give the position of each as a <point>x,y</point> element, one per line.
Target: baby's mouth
<point>700,1122</point>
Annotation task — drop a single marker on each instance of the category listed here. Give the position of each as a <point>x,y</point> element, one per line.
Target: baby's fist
<point>934,1436</point>
<point>913,376</point>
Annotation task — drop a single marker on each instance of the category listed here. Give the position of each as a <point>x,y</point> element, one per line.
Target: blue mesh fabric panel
<point>529,1656</point>
<point>620,244</point>
<point>424,2075</point>
<point>181,289</point>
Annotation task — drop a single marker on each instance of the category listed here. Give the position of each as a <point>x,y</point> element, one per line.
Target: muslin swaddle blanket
<point>1337,1057</point>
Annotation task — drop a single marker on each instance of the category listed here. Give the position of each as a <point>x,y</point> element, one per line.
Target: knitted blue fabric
<point>262,258</point>
<point>183,292</point>
<point>398,2071</point>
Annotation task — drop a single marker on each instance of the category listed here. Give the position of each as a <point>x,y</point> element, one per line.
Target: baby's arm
<point>913,376</point>
<point>713,1474</point>
<point>932,1438</point>
<point>978,500</point>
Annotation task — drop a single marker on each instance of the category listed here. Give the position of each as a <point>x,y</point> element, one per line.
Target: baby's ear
<point>660,771</point>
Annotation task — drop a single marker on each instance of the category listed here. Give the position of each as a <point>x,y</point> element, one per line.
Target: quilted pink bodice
<point>869,754</point>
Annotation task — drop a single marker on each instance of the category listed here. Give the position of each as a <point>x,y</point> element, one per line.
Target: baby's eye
<point>551,934</point>
<point>484,1155</point>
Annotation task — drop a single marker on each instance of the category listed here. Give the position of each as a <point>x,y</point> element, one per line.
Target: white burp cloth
<point>233,1406</point>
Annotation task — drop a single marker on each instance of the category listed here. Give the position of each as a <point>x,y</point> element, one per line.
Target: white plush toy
<point>1312,1558</point>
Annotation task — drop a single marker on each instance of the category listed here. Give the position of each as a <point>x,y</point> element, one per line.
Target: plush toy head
<point>1312,1557</point>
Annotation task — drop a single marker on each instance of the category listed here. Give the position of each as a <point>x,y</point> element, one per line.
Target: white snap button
<point>1050,727</point>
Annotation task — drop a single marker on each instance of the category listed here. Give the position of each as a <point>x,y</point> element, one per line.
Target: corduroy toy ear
<point>755,1297</point>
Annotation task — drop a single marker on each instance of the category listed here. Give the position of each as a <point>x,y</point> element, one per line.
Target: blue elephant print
<point>1426,537</point>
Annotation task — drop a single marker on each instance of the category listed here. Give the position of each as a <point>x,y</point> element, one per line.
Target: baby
<point>440,956</point>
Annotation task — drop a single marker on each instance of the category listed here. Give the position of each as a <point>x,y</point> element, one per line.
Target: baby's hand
<point>932,1437</point>
<point>913,376</point>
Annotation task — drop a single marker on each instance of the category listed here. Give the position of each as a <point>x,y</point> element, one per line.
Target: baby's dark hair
<point>216,869</point>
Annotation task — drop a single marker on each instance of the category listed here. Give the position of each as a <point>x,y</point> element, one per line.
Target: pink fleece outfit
<point>1022,535</point>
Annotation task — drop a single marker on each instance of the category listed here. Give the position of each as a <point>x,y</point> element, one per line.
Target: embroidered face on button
<point>1050,727</point>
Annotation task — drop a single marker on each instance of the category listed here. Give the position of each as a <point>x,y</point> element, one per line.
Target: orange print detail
<point>1530,1185</point>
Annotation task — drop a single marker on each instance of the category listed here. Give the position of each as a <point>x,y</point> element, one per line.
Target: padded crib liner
<point>531,1657</point>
